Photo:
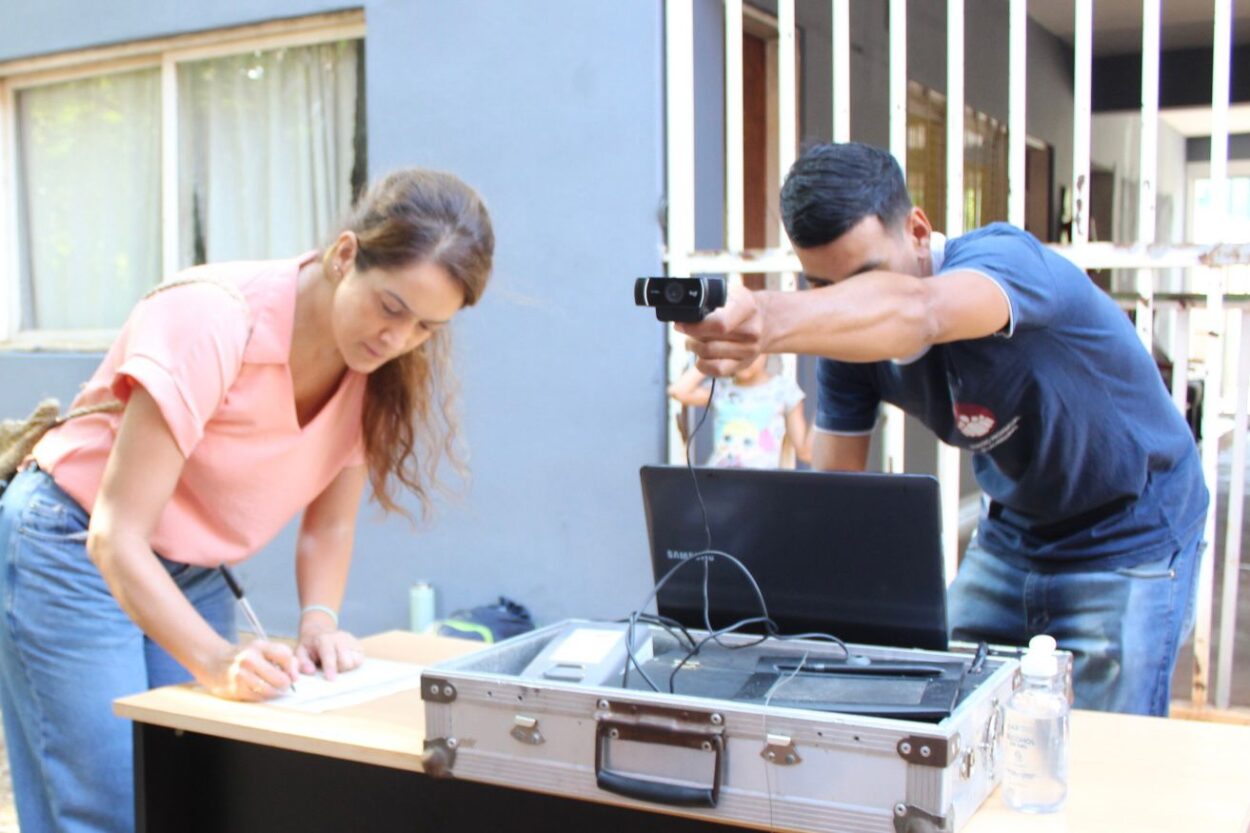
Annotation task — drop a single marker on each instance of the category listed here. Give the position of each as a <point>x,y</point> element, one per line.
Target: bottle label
<point>1023,758</point>
<point>1035,773</point>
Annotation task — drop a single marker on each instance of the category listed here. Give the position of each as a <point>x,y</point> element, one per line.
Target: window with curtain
<point>268,155</point>
<point>89,198</point>
<point>985,160</point>
<point>271,151</point>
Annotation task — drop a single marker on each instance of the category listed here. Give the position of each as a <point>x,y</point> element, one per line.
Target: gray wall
<point>561,129</point>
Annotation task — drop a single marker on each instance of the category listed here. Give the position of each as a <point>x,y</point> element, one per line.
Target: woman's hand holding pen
<point>322,644</point>
<point>259,670</point>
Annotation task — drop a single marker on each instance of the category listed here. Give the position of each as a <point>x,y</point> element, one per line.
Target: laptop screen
<point>855,555</point>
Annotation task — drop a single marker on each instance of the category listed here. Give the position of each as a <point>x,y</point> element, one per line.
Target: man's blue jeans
<point>1123,626</point>
<point>66,651</point>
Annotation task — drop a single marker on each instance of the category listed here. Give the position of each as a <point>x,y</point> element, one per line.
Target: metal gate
<point>1227,382</point>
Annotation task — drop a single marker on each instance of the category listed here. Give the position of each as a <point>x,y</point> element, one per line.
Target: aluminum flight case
<point>719,749</point>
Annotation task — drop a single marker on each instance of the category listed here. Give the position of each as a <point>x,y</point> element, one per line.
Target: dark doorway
<point>1039,180</point>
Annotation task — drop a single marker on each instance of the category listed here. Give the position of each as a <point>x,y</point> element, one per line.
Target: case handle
<point>645,789</point>
<point>656,792</point>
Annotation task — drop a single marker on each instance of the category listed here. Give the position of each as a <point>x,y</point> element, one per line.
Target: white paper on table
<point>373,679</point>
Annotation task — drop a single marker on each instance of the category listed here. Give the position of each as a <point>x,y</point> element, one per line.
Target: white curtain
<point>266,151</point>
<point>89,198</point>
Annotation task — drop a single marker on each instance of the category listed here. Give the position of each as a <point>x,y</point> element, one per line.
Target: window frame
<point>1195,171</point>
<point>163,53</point>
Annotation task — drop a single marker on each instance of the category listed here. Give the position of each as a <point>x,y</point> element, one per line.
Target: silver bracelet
<point>329,611</point>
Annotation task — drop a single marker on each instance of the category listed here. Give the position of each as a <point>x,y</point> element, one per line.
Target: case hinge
<point>928,751</point>
<point>437,690</point>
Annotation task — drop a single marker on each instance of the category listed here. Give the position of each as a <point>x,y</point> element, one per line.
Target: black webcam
<point>680,299</point>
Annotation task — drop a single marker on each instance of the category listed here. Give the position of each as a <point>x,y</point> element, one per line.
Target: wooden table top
<point>388,731</point>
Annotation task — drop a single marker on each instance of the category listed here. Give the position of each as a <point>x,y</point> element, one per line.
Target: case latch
<point>525,729</point>
<point>780,750</point>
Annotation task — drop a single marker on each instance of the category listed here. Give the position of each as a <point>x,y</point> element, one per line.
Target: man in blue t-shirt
<point>1096,502</point>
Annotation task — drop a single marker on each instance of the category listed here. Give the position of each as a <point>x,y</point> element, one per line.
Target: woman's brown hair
<point>417,216</point>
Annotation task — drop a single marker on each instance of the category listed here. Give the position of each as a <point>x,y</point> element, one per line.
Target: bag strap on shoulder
<point>114,406</point>
<point>19,437</point>
<point>229,288</point>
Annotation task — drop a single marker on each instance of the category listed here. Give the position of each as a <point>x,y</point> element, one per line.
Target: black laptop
<point>855,555</point>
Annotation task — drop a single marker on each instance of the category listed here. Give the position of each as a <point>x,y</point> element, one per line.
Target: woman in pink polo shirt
<point>252,393</point>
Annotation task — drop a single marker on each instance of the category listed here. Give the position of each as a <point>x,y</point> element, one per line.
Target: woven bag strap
<point>109,407</point>
<point>229,288</point>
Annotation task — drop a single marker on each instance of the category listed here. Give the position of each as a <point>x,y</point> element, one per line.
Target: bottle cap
<point>1043,643</point>
<point>1040,659</point>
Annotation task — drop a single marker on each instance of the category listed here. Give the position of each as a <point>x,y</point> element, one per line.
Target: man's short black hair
<point>832,187</point>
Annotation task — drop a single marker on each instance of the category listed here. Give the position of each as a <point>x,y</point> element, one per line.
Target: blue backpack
<point>488,623</point>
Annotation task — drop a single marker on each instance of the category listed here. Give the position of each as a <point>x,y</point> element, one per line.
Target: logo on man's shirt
<point>974,421</point>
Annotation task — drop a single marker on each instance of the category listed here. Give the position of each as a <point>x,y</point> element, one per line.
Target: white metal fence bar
<point>1088,256</point>
<point>679,149</point>
<point>1180,360</point>
<point>735,221</point>
<point>787,96</point>
<point>1182,300</point>
<point>892,418</point>
<point>1083,35</point>
<point>1220,68</point>
<point>1148,162</point>
<point>898,82</point>
<point>1232,527</point>
<point>1112,256</point>
<point>1017,49</point>
<point>1215,346</point>
<point>948,456</point>
<point>757,260</point>
<point>787,135</point>
<point>841,70</point>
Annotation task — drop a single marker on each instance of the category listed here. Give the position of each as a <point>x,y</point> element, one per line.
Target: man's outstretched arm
<point>869,317</point>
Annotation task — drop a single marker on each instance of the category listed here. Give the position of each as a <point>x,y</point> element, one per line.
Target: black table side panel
<point>191,783</point>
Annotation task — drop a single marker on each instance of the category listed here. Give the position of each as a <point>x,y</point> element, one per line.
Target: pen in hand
<point>237,590</point>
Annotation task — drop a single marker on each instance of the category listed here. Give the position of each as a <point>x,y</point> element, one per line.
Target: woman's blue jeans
<point>67,650</point>
<point>1123,626</point>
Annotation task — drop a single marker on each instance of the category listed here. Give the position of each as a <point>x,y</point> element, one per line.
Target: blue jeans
<point>67,650</point>
<point>1123,626</point>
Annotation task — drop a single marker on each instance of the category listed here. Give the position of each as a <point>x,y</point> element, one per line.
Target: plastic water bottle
<point>1035,778</point>
<point>421,607</point>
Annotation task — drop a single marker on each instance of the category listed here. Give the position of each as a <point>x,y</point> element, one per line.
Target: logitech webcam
<point>680,299</point>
